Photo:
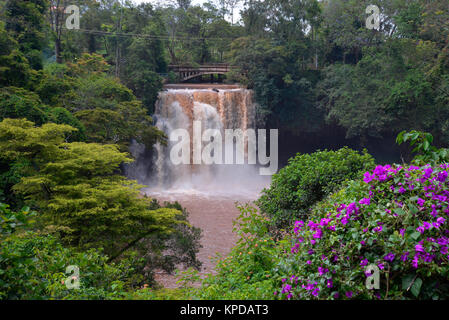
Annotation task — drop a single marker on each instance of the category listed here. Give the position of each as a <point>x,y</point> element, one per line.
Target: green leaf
<point>416,287</point>
<point>413,209</point>
<point>407,281</point>
<point>415,235</point>
<point>400,137</point>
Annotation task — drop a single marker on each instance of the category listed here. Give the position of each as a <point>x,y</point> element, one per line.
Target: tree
<point>184,4</point>
<point>109,111</point>
<point>21,103</point>
<point>57,22</point>
<point>14,67</point>
<point>80,195</point>
<point>25,21</point>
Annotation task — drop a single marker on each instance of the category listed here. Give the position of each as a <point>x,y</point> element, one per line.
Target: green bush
<point>61,115</point>
<point>33,266</point>
<point>395,219</point>
<point>21,103</point>
<point>157,294</point>
<point>425,152</point>
<point>307,179</point>
<point>11,221</point>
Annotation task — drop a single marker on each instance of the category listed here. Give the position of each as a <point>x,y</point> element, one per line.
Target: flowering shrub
<point>307,179</point>
<point>396,218</point>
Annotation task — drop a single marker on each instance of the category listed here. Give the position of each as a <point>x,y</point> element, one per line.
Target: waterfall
<point>214,109</point>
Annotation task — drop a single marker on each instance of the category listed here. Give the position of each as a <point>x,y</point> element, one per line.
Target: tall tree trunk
<point>58,50</point>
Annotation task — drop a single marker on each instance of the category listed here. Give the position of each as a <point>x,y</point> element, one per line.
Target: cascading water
<point>214,109</point>
<point>208,192</point>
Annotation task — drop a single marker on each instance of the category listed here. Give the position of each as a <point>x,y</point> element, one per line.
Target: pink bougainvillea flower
<point>295,248</point>
<point>389,257</point>
<point>421,202</point>
<point>367,177</point>
<point>286,288</point>
<point>404,256</point>
<point>442,176</point>
<point>318,234</point>
<point>419,248</point>
<point>366,201</point>
<point>415,261</point>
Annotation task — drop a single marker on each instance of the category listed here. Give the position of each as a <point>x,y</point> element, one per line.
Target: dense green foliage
<point>33,265</point>
<point>307,179</point>
<point>34,268</point>
<point>311,63</point>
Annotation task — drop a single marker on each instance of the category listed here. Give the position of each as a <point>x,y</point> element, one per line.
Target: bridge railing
<point>187,72</point>
<point>217,66</point>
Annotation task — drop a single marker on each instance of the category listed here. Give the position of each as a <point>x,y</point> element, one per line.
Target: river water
<point>214,215</point>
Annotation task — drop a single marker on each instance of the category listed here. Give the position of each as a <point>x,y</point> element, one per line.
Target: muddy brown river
<point>214,215</point>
